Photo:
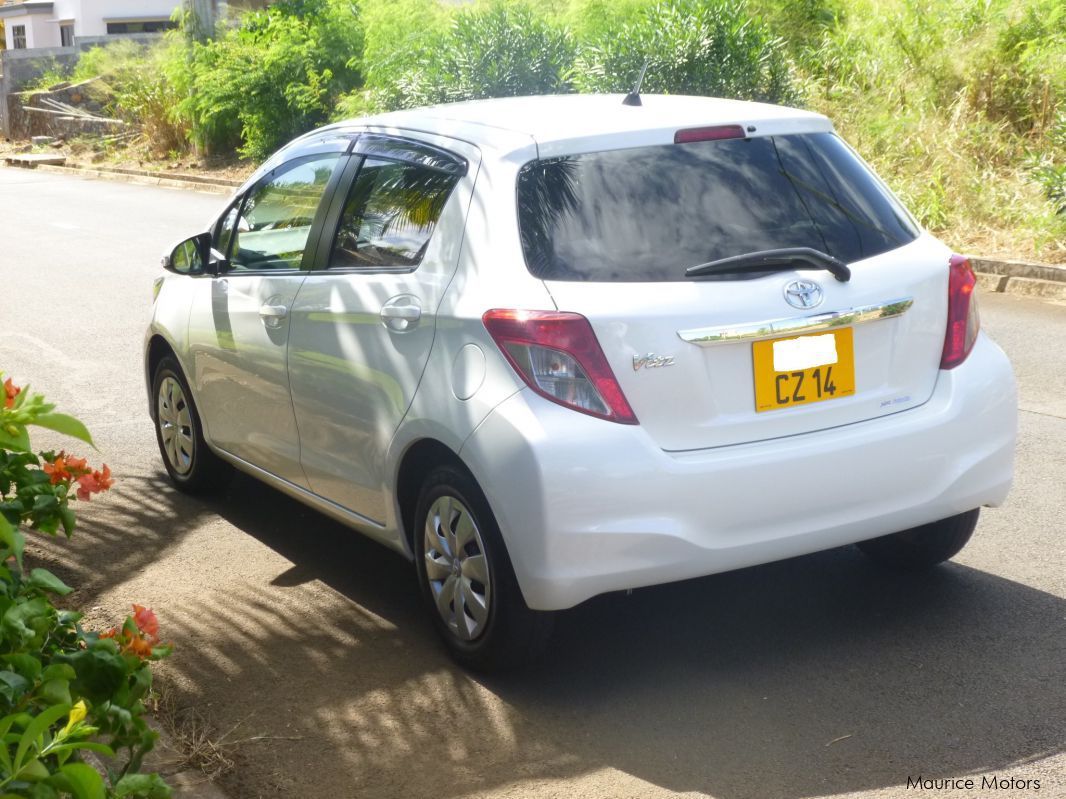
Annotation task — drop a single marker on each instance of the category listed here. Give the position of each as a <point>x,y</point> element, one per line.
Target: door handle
<point>401,313</point>
<point>273,315</point>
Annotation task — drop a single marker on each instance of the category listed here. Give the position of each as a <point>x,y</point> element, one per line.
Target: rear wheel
<point>192,466</point>
<point>466,577</point>
<point>925,546</point>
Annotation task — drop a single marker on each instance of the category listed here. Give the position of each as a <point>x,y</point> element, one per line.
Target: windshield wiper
<point>774,260</point>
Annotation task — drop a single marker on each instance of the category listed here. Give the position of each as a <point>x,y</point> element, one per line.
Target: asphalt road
<point>306,648</point>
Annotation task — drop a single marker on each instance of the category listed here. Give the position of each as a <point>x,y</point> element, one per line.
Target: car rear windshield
<point>648,213</point>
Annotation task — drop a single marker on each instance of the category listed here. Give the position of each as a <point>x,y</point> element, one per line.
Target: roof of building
<point>25,7</point>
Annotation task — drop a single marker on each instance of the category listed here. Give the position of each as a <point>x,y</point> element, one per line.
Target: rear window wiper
<point>774,260</point>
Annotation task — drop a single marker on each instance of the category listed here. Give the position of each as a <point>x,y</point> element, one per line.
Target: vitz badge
<point>651,361</point>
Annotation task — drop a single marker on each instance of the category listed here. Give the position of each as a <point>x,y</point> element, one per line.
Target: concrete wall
<point>20,68</point>
<point>89,96</point>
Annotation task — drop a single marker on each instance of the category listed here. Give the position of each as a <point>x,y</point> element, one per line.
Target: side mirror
<point>190,257</point>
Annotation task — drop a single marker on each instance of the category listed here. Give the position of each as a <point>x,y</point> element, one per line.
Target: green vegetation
<point>65,691</point>
<point>275,75</point>
<point>495,50</point>
<point>959,104</point>
<point>691,47</point>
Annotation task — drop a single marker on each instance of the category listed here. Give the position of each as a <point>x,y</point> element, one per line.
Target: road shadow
<point>814,676</point>
<point>119,534</point>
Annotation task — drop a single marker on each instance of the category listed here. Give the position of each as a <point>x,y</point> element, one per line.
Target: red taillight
<point>963,321</point>
<point>558,356</point>
<point>716,133</point>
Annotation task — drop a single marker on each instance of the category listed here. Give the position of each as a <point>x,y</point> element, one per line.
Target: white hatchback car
<point>552,347</point>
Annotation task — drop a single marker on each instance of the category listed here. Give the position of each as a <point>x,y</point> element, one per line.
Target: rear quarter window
<point>648,213</point>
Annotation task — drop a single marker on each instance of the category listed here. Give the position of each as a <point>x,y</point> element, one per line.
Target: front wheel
<point>925,546</point>
<point>192,466</point>
<point>467,580</point>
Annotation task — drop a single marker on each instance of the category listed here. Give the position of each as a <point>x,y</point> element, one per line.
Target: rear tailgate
<point>703,394</point>
<point>612,233</point>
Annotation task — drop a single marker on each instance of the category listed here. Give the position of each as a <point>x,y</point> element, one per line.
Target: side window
<point>389,216</point>
<point>274,222</point>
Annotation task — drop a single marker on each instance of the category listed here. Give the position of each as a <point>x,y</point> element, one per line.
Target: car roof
<point>573,122</point>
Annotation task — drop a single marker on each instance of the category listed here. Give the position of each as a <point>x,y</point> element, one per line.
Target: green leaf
<point>59,671</point>
<point>68,520</point>
<point>11,538</point>
<point>67,425</point>
<point>21,622</point>
<point>160,651</point>
<point>55,691</point>
<point>34,771</point>
<point>91,746</point>
<point>36,729</point>
<point>19,441</point>
<point>101,672</point>
<point>26,665</point>
<point>5,755</point>
<point>41,790</point>
<point>81,780</point>
<point>147,786</point>
<point>46,581</point>
<point>12,686</point>
<point>140,683</point>
<point>68,618</point>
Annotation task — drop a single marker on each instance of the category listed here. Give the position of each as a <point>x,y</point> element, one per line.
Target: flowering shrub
<point>64,691</point>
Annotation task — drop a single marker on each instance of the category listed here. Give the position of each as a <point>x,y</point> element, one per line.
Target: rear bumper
<point>587,506</point>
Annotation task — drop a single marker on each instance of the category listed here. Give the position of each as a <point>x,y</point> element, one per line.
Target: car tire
<point>473,597</point>
<point>925,546</point>
<point>190,463</point>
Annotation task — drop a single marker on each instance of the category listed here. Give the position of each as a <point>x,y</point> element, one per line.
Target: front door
<point>239,322</point>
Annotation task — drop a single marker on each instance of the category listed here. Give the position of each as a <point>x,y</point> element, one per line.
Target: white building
<point>55,23</point>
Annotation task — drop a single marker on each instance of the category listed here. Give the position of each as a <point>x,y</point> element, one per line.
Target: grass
<point>960,105</point>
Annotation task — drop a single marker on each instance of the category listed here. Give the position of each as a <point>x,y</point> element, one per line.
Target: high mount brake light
<point>963,320</point>
<point>716,133</point>
<point>558,356</point>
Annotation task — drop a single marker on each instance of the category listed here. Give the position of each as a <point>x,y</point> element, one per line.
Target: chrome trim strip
<point>725,334</point>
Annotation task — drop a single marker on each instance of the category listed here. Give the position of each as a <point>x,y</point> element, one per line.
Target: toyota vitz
<point>551,347</point>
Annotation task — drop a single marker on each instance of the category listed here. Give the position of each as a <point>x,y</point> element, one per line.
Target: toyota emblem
<point>803,294</point>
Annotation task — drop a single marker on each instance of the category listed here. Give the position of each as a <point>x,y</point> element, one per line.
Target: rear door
<point>363,323</point>
<point>731,358</point>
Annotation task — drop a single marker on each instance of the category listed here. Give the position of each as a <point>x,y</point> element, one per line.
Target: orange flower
<point>139,647</point>
<point>146,622</point>
<point>10,392</point>
<point>89,484</point>
<point>65,468</point>
<point>76,464</point>
<point>110,633</point>
<point>57,469</point>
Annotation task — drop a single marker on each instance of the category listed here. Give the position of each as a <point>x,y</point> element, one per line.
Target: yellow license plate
<point>798,370</point>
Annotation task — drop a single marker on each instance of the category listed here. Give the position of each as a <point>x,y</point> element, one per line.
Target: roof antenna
<point>633,98</point>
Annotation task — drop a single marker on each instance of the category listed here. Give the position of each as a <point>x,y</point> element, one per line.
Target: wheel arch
<point>417,461</point>
<point>155,351</point>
